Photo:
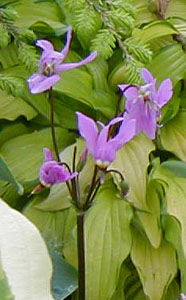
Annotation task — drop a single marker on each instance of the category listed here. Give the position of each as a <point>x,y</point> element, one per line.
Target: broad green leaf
<point>58,228</point>
<point>76,84</point>
<point>173,291</point>
<point>23,252</point>
<point>172,231</point>
<point>175,197</point>
<point>154,30</point>
<point>39,102</point>
<point>24,154</point>
<point>169,61</point>
<point>5,292</point>
<point>132,161</point>
<point>108,242</point>
<point>151,219</point>
<point>173,135</point>
<point>59,197</point>
<point>6,174</point>
<point>177,168</point>
<point>12,107</point>
<point>176,8</point>
<point>143,13</point>
<point>123,276</point>
<point>156,267</point>
<point>12,130</point>
<point>133,289</point>
<point>65,277</point>
<point>42,13</point>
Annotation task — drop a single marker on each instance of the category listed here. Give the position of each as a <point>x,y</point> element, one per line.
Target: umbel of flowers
<point>142,112</point>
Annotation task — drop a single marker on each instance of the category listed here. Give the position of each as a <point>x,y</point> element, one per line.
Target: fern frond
<point>12,85</point>
<point>4,37</point>
<point>120,19</point>
<point>133,68</point>
<point>74,4</point>
<point>28,56</point>
<point>139,50</point>
<point>86,23</point>
<point>104,42</point>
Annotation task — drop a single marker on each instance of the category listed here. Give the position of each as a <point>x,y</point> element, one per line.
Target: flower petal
<point>164,92</point>
<point>67,66</point>
<point>39,83</point>
<point>52,173</point>
<point>45,45</point>
<point>126,132</point>
<point>146,75</point>
<point>47,154</point>
<point>88,130</point>
<point>65,50</point>
<point>149,123</point>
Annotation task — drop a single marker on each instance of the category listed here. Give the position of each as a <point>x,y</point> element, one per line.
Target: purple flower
<point>99,144</point>
<point>51,64</point>
<point>144,102</point>
<point>51,172</point>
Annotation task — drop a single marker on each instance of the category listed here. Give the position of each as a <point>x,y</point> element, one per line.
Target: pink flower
<point>51,65</point>
<point>51,172</point>
<point>99,144</point>
<point>144,102</point>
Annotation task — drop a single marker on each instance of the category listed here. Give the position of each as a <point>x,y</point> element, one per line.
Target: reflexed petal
<point>106,153</point>
<point>103,135</point>
<point>68,66</point>
<point>123,86</point>
<point>149,123</point>
<point>164,92</point>
<point>126,132</point>
<point>88,130</point>
<point>147,76</point>
<point>65,50</point>
<point>132,97</point>
<point>45,45</point>
<point>47,154</point>
<point>39,83</point>
<point>137,113</point>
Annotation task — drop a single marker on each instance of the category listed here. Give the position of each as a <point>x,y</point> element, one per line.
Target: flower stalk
<point>52,124</point>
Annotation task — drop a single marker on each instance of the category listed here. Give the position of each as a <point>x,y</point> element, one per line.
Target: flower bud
<point>124,186</point>
<point>82,160</point>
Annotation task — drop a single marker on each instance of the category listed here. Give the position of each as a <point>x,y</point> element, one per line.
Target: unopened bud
<point>36,189</point>
<point>124,186</point>
<point>82,160</point>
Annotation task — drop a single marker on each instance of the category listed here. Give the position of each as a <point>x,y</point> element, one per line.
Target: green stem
<point>51,100</point>
<point>81,256</point>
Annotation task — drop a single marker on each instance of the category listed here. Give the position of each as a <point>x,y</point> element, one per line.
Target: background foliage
<point>136,249</point>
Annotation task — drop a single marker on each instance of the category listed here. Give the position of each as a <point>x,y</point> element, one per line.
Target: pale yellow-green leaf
<point>176,8</point>
<point>173,135</point>
<point>30,13</point>
<point>156,267</point>
<point>175,198</point>
<point>169,62</point>
<point>24,256</point>
<point>143,14</point>
<point>151,219</point>
<point>119,292</point>
<point>24,154</point>
<point>59,197</point>
<point>108,242</point>
<point>12,107</point>
<point>173,233</point>
<point>154,30</point>
<point>132,161</point>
